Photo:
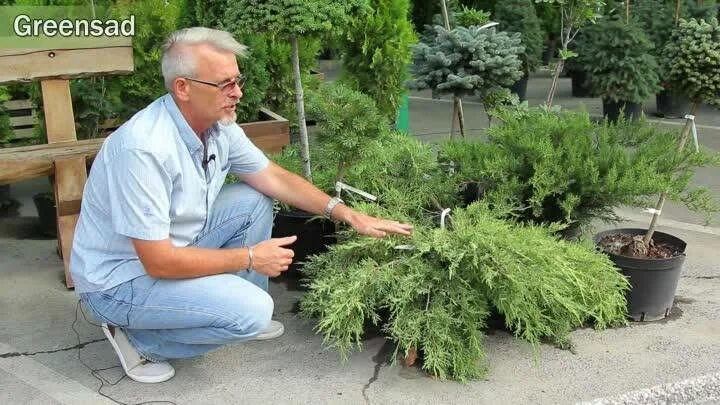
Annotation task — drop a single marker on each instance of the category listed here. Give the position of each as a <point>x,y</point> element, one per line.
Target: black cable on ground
<point>95,372</point>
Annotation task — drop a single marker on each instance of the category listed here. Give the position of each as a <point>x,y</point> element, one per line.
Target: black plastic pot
<point>520,87</point>
<point>612,110</point>
<point>314,234</point>
<point>549,51</point>
<point>45,204</point>
<point>671,104</point>
<point>580,87</point>
<point>653,281</point>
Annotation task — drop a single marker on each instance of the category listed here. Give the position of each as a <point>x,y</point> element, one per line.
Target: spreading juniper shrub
<point>439,286</point>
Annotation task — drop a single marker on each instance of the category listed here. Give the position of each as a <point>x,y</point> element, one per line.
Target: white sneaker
<point>136,367</point>
<point>274,330</point>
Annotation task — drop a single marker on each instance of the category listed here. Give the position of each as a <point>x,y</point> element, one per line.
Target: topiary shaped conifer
<point>467,61</point>
<point>292,19</point>
<point>348,120</point>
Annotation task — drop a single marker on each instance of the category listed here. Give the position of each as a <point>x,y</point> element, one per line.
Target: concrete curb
<point>701,389</point>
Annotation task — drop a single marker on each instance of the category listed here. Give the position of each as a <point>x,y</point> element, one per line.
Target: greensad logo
<point>26,26</point>
<point>43,27</point>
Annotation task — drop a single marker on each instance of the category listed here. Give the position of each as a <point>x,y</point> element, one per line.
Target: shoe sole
<point>147,380</point>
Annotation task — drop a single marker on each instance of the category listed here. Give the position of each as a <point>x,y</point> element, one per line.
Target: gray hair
<point>178,61</point>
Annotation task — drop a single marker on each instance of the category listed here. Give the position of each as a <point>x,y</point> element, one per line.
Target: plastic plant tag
<point>340,186</point>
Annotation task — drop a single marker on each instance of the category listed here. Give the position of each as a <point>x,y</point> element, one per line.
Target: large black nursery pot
<point>653,281</point>
<point>672,104</point>
<point>579,83</point>
<point>612,110</point>
<point>47,215</point>
<point>314,234</point>
<point>520,87</point>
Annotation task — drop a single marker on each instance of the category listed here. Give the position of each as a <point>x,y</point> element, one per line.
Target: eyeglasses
<point>227,86</point>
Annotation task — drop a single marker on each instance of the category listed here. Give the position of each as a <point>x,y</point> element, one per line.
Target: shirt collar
<point>188,136</point>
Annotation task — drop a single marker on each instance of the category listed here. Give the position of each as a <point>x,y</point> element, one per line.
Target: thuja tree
<point>292,19</point>
<point>376,53</point>
<point>467,61</point>
<point>434,295</point>
<point>692,62</point>
<point>574,14</point>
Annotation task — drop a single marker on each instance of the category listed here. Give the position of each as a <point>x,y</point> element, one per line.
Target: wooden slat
<point>28,162</point>
<point>23,133</point>
<point>38,64</point>
<point>270,135</point>
<point>66,232</point>
<point>12,105</point>
<point>23,120</point>
<point>57,104</point>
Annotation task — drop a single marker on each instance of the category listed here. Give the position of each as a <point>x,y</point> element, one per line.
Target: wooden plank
<point>23,133</point>
<point>70,177</point>
<point>12,105</point>
<point>38,64</point>
<point>23,120</point>
<point>271,143</point>
<point>27,162</point>
<point>57,104</point>
<point>66,232</point>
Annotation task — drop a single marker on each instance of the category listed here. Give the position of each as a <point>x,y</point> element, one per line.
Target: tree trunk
<point>300,104</point>
<point>553,86</point>
<point>461,117</point>
<point>457,103</point>
<point>658,207</point>
<point>452,117</point>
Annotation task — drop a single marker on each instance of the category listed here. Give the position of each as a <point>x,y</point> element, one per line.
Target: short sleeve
<point>139,189</point>
<point>244,157</point>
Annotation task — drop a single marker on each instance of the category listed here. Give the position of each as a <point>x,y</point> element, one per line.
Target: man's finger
<point>285,241</point>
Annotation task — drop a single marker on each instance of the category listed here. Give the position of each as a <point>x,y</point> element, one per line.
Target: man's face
<point>210,103</point>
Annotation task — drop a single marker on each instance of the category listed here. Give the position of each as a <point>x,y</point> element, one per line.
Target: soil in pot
<point>653,273</point>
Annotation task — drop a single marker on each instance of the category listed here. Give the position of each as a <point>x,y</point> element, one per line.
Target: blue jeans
<point>182,318</point>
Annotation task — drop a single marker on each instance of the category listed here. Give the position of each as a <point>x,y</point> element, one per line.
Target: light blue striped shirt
<point>148,182</point>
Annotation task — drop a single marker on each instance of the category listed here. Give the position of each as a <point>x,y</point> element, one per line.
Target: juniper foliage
<point>542,166</point>
<point>437,296</point>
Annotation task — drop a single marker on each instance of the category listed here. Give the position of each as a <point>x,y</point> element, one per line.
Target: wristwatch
<point>331,206</point>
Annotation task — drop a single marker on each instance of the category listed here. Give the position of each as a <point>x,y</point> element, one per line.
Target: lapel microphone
<point>209,159</point>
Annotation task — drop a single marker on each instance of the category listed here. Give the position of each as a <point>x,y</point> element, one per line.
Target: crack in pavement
<point>382,358</point>
<point>19,354</point>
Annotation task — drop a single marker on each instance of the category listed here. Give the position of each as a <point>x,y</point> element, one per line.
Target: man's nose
<point>236,92</point>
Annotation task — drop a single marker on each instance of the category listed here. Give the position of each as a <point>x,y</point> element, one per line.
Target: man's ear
<point>181,89</point>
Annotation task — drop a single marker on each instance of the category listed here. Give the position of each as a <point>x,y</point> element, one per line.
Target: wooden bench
<point>63,155</point>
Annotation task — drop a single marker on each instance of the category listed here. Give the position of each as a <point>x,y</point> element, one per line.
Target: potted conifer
<point>464,61</point>
<point>620,65</point>
<point>520,16</point>
<point>653,260</point>
<point>347,123</point>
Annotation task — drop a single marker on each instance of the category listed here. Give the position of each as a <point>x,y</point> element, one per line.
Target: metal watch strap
<point>331,206</point>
